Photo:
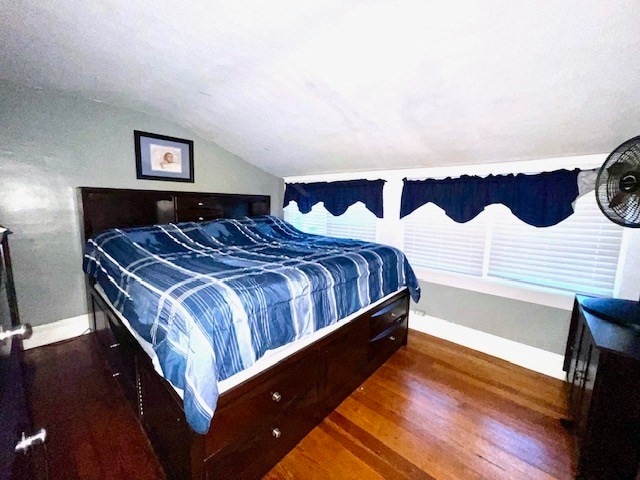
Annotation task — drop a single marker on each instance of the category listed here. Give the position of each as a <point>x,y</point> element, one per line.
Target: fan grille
<point>618,184</point>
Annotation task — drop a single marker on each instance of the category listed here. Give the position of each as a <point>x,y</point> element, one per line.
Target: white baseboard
<point>57,331</point>
<point>526,356</point>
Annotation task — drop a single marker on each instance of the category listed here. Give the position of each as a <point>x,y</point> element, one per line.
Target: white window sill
<point>501,288</point>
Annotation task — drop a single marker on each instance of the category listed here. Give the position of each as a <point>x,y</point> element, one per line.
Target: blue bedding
<point>213,297</point>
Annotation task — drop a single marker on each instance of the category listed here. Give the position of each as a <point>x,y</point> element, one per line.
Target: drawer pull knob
<point>200,218</point>
<point>392,338</point>
<point>117,374</point>
<point>276,433</point>
<point>276,397</point>
<point>114,345</point>
<point>200,204</point>
<point>26,443</point>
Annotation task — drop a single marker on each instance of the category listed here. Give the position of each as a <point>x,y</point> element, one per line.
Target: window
<point>433,240</point>
<point>579,254</point>
<point>357,222</point>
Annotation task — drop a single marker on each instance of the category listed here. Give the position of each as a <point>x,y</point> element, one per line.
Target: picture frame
<point>160,157</point>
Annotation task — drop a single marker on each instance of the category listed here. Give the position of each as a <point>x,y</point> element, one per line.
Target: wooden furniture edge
<point>110,202</point>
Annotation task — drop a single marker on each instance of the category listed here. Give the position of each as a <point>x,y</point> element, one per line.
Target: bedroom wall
<point>51,143</point>
<point>533,324</point>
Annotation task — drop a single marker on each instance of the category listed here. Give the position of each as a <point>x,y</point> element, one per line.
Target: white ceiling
<point>300,87</point>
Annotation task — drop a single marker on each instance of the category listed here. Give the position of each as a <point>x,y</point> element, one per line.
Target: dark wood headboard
<point>104,208</point>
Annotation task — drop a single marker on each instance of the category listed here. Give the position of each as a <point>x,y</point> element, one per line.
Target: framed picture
<point>159,157</point>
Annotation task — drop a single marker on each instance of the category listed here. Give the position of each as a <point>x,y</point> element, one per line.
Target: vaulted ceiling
<point>301,87</point>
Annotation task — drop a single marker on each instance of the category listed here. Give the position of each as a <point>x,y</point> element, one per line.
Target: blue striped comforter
<point>213,297</point>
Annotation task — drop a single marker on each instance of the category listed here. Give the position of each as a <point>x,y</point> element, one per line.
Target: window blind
<point>357,222</point>
<point>433,240</point>
<point>579,254</point>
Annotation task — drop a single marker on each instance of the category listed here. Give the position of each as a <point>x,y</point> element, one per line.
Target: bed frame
<point>258,421</point>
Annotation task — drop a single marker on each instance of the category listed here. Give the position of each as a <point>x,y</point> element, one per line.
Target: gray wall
<point>51,143</point>
<point>529,323</point>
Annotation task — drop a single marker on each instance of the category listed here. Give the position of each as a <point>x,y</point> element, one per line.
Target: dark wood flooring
<point>92,433</point>
<point>435,410</point>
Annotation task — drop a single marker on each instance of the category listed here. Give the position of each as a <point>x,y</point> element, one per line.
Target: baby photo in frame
<point>160,157</point>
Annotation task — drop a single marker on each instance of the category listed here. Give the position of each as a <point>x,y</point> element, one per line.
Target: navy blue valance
<point>541,200</point>
<point>337,196</point>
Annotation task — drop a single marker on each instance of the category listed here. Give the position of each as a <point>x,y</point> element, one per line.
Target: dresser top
<point>610,336</point>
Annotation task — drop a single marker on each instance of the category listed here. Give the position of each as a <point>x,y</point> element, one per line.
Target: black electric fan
<point>618,185</point>
<point>618,195</point>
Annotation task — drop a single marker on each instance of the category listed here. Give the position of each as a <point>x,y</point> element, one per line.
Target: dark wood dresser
<point>602,361</point>
<point>21,453</point>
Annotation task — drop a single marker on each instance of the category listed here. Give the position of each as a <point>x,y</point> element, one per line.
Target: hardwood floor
<point>92,433</point>
<point>435,410</point>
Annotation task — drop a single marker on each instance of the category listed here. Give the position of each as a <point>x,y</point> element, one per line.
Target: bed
<point>297,375</point>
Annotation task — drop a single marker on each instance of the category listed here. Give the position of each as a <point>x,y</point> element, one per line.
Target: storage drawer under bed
<point>293,386</point>
<point>386,343</point>
<point>164,422</point>
<point>388,316</point>
<point>248,434</point>
<point>254,456</point>
<point>119,350</point>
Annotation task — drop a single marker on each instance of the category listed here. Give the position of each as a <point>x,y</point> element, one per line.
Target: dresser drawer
<point>384,345</point>
<point>295,384</point>
<point>388,316</point>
